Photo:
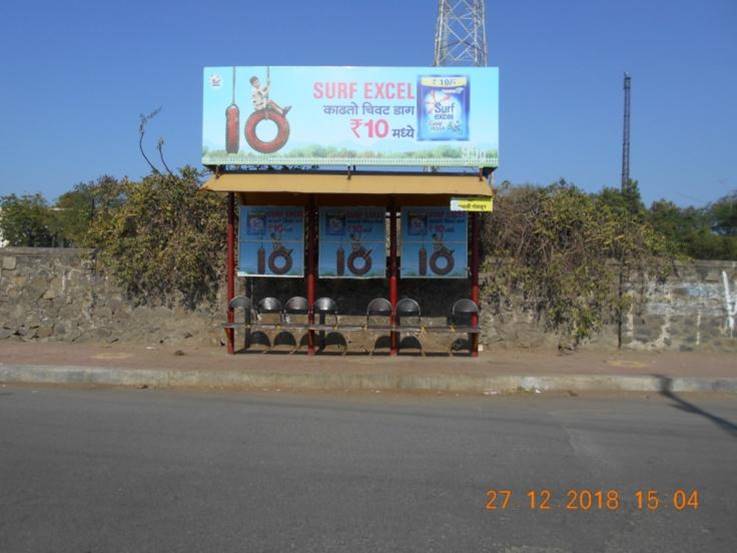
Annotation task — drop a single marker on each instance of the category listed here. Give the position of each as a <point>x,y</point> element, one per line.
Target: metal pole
<point>626,135</point>
<point>230,269</point>
<point>311,235</point>
<point>475,292</point>
<point>625,189</point>
<point>393,290</point>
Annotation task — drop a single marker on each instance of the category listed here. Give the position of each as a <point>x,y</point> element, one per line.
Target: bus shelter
<point>313,191</point>
<point>361,173</point>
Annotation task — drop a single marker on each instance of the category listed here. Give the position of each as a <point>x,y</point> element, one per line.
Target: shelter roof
<point>343,184</point>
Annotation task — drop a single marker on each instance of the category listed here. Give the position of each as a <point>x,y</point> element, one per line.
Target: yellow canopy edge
<point>301,183</point>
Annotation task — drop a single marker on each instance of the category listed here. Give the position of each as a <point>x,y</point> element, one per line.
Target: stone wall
<point>687,312</point>
<point>59,294</point>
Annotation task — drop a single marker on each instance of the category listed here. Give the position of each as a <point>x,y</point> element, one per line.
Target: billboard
<point>271,241</point>
<point>434,243</point>
<point>352,242</point>
<point>376,116</point>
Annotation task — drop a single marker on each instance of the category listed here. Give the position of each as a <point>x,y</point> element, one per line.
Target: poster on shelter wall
<point>363,116</point>
<point>352,242</point>
<point>271,241</point>
<point>434,243</point>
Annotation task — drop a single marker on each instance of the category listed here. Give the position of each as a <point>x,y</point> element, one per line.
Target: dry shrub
<point>163,242</point>
<point>558,251</point>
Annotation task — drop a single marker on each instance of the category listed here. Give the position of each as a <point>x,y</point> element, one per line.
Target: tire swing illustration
<point>279,140</point>
<point>447,266</point>
<point>359,262</point>
<point>280,261</point>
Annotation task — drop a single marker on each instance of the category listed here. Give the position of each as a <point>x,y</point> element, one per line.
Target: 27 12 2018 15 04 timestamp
<point>585,499</point>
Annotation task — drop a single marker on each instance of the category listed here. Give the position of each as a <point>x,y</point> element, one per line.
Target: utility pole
<point>625,189</point>
<point>626,136</point>
<point>460,33</point>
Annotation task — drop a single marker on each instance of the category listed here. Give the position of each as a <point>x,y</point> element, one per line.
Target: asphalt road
<point>149,471</point>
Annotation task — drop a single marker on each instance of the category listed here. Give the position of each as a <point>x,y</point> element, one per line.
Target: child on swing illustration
<point>261,100</point>
<point>266,109</point>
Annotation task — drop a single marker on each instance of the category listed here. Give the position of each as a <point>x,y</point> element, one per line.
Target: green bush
<point>165,242</point>
<point>28,221</point>
<point>701,233</point>
<point>559,250</point>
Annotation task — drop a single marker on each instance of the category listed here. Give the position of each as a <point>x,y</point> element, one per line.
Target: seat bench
<point>407,317</point>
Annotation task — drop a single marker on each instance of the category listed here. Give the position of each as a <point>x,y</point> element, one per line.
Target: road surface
<point>105,470</point>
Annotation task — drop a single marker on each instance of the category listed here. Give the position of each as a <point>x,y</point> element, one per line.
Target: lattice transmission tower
<point>460,33</point>
<point>626,136</point>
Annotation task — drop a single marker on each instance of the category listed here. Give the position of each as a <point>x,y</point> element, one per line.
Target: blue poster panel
<point>434,243</point>
<point>271,241</point>
<point>352,242</point>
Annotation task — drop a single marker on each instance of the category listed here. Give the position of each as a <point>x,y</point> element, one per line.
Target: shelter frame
<point>314,189</point>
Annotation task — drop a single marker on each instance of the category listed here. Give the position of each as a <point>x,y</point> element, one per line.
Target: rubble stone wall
<point>60,294</point>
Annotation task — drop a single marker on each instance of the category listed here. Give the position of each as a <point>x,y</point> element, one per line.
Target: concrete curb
<point>464,383</point>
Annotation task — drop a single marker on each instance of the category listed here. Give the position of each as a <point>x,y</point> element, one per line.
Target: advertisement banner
<point>352,242</point>
<point>434,243</point>
<point>378,116</point>
<point>271,241</point>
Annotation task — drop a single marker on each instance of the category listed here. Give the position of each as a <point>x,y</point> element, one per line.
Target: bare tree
<point>160,148</point>
<point>143,120</point>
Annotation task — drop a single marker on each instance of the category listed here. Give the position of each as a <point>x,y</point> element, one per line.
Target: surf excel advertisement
<point>352,242</point>
<point>376,116</point>
<point>271,241</point>
<point>434,243</point>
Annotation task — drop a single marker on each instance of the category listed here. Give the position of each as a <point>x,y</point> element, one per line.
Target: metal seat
<point>269,316</point>
<point>378,307</point>
<point>240,302</point>
<point>407,308</point>
<point>463,310</point>
<point>269,305</point>
<point>297,307</point>
<point>460,321</point>
<point>324,307</point>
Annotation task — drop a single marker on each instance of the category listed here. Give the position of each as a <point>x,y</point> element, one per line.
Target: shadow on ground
<point>666,390</point>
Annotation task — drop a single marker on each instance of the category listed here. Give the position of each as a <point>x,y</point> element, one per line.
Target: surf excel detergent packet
<point>443,107</point>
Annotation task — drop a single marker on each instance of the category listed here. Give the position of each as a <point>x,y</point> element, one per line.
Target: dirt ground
<point>488,363</point>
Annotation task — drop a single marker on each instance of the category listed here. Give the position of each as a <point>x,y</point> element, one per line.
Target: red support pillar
<point>393,291</point>
<point>475,280</point>
<point>230,269</point>
<point>311,282</point>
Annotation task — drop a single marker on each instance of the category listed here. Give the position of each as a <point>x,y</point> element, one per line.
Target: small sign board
<point>475,203</point>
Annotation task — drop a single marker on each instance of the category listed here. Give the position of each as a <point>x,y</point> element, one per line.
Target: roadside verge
<point>332,381</point>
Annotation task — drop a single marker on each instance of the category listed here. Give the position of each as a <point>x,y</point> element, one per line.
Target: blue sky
<point>77,74</point>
